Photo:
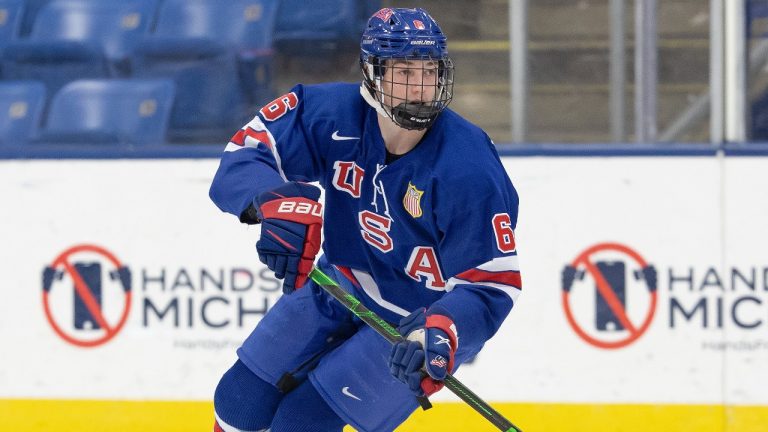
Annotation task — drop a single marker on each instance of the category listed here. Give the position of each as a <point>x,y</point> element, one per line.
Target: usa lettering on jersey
<point>375,230</point>
<point>423,263</point>
<point>348,177</point>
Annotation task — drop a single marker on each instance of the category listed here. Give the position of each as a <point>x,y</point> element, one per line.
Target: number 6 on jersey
<point>505,236</point>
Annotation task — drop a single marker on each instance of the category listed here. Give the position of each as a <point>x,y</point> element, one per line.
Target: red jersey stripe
<point>348,274</point>
<point>506,278</point>
<point>238,138</point>
<point>260,136</point>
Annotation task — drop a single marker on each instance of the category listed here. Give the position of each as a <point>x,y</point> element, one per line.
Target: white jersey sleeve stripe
<point>369,286</point>
<point>512,291</point>
<point>506,263</point>
<point>501,273</point>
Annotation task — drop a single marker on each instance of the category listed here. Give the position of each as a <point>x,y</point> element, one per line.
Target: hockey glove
<point>291,219</point>
<point>430,345</point>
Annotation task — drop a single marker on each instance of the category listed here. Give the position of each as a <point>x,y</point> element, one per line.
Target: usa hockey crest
<point>412,200</point>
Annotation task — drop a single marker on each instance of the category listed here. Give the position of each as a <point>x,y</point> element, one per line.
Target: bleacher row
<point>153,71</point>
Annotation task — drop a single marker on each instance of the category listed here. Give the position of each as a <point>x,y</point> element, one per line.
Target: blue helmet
<point>399,39</point>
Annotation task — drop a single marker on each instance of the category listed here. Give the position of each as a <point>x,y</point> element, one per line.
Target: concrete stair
<point>569,64</point>
<point>568,55</point>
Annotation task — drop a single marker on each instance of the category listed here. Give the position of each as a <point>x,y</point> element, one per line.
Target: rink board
<point>605,346</point>
<point>76,416</point>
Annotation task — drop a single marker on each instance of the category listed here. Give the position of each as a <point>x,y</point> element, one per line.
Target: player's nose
<point>417,89</point>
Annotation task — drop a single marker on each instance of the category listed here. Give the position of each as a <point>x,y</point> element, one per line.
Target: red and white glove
<point>291,220</point>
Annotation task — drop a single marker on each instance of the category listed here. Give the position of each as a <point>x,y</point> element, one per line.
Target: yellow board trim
<point>151,416</point>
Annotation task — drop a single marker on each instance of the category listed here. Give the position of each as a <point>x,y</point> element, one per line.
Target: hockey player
<point>418,224</point>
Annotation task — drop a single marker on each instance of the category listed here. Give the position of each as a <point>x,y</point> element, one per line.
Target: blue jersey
<point>434,228</point>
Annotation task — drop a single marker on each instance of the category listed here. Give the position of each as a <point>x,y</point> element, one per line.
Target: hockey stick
<point>383,328</point>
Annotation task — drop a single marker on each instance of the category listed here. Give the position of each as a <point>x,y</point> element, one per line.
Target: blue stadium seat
<point>243,24</point>
<point>115,25</point>
<point>21,105</point>
<point>110,111</point>
<point>322,29</point>
<point>74,39</point>
<point>31,8</point>
<point>11,12</point>
<point>219,54</point>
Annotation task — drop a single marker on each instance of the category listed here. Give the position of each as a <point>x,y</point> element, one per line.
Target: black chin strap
<point>414,115</point>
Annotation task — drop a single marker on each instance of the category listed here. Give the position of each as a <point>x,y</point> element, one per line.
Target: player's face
<point>411,81</point>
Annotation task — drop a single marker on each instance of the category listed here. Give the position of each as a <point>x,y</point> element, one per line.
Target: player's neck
<point>397,140</point>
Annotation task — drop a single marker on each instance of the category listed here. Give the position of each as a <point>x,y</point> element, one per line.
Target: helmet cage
<point>434,75</point>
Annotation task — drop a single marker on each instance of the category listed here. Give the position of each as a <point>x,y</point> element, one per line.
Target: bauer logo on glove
<point>291,219</point>
<point>300,208</point>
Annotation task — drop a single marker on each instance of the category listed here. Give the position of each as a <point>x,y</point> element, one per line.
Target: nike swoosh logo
<point>346,392</point>
<point>337,137</point>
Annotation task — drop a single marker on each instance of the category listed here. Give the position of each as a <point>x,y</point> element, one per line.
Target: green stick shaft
<point>390,333</point>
